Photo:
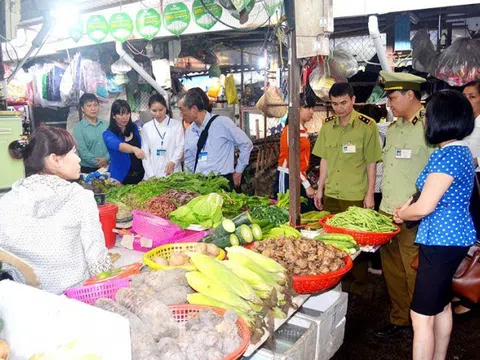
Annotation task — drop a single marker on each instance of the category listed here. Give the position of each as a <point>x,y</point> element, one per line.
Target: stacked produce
<point>234,203</point>
<point>283,230</point>
<point>156,335</point>
<point>181,258</point>
<point>136,196</point>
<point>356,218</point>
<point>238,231</point>
<point>312,217</point>
<point>269,216</point>
<point>301,256</point>
<point>251,284</point>
<point>160,206</point>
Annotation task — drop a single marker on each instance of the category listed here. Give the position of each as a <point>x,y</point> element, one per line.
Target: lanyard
<point>162,137</point>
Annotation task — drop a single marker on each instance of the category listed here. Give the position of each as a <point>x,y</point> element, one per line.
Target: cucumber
<point>234,240</point>
<point>225,228</point>
<point>244,234</point>
<point>242,219</point>
<point>257,232</point>
<point>222,242</point>
<point>207,239</point>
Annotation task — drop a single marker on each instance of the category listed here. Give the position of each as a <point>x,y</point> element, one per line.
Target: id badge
<point>349,149</point>
<point>403,154</point>
<point>203,156</point>
<point>161,152</point>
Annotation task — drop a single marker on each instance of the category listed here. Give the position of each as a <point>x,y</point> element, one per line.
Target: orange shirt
<point>305,150</point>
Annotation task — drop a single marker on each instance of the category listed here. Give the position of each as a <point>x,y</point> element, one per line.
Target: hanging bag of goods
<point>272,103</point>
<point>460,62</point>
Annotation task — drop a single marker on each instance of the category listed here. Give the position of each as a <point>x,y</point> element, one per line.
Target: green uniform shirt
<point>90,143</point>
<point>348,150</point>
<point>400,171</point>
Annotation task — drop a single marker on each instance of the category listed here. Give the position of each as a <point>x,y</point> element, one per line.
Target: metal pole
<point>242,100</point>
<point>294,129</point>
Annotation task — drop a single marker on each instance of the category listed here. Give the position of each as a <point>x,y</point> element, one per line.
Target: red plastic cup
<point>108,218</point>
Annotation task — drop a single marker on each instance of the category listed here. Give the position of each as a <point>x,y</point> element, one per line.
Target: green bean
<point>356,218</point>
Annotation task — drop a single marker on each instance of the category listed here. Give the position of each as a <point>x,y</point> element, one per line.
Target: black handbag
<point>412,224</point>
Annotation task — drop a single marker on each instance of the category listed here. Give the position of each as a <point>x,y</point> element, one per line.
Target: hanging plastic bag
<point>323,77</point>
<point>120,67</point>
<point>94,80</point>
<point>47,79</point>
<point>69,87</point>
<point>231,90</point>
<point>19,88</point>
<point>343,63</point>
<point>112,86</point>
<point>460,62</point>
<point>423,53</point>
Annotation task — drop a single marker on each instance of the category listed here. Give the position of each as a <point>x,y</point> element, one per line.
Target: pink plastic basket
<point>152,226</point>
<point>181,237</point>
<point>91,293</point>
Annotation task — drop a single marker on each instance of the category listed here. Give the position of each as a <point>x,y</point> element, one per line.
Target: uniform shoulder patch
<point>330,118</point>
<point>422,114</point>
<point>365,119</point>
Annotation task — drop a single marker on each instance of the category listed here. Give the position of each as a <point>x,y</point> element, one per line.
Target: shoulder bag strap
<point>202,140</point>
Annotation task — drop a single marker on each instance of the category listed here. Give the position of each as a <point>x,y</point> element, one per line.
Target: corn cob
<point>216,271</point>
<point>251,278</point>
<point>263,261</point>
<point>215,290</point>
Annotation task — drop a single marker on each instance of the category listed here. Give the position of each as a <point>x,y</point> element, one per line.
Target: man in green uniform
<point>349,147</point>
<point>404,156</point>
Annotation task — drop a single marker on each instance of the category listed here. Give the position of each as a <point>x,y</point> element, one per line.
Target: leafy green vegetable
<point>234,203</point>
<point>283,200</point>
<point>135,196</point>
<point>204,210</point>
<point>265,215</point>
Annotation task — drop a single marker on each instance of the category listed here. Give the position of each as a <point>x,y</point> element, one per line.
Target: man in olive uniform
<point>404,156</point>
<point>349,148</point>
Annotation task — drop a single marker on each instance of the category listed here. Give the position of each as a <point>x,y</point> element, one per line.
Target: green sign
<point>75,31</point>
<point>272,5</point>
<point>203,14</point>
<point>148,23</point>
<point>97,28</point>
<point>176,18</point>
<point>121,26</point>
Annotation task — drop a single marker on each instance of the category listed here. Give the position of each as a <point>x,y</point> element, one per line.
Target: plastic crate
<point>294,340</point>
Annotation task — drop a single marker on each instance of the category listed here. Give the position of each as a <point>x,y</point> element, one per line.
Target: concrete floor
<point>365,314</point>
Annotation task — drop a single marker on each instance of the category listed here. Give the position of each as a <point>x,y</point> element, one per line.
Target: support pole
<point>294,128</point>
<point>3,84</point>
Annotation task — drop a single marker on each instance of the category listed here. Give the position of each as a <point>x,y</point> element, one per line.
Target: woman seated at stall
<point>162,140</point>
<point>123,142</point>
<point>282,179</point>
<point>48,221</point>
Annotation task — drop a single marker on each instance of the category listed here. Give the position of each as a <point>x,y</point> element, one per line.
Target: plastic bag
<point>231,90</point>
<point>47,79</point>
<point>460,62</point>
<point>93,79</point>
<point>20,88</point>
<point>423,52</point>
<point>120,67</point>
<point>343,63</point>
<point>69,87</point>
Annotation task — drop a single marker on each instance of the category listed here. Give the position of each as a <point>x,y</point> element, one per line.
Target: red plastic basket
<point>361,237</point>
<point>182,313</point>
<point>310,284</point>
<point>159,230</point>
<point>91,293</point>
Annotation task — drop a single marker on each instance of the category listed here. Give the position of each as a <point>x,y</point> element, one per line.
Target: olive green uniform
<point>405,154</point>
<point>347,150</point>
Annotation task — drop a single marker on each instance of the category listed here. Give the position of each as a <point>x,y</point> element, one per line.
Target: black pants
<point>229,177</point>
<point>133,178</point>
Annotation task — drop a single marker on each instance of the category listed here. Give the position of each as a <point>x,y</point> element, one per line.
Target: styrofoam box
<point>327,349</point>
<point>36,321</point>
<point>295,340</point>
<point>327,310</point>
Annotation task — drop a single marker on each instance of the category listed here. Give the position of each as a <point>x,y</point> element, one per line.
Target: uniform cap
<point>400,81</point>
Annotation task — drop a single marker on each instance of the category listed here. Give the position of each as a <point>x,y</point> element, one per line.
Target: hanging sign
<point>121,26</point>
<point>176,18</point>
<point>272,5</point>
<point>202,14</point>
<point>97,28</point>
<point>75,31</point>
<point>148,23</point>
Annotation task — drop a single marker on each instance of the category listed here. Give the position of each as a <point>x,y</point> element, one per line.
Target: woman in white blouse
<point>48,221</point>
<point>162,141</point>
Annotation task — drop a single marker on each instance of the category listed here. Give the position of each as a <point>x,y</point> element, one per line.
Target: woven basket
<point>272,97</point>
